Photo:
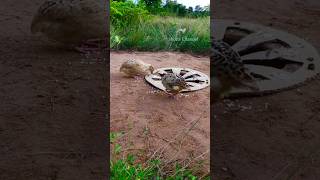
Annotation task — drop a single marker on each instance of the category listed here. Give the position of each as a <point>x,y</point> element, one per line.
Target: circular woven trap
<point>195,80</point>
<point>277,60</point>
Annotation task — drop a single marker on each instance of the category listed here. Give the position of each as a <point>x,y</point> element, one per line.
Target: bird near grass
<point>173,83</point>
<point>72,22</point>
<point>136,68</point>
<point>228,71</point>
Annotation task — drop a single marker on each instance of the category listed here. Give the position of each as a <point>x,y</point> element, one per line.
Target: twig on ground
<point>183,133</point>
<point>201,155</point>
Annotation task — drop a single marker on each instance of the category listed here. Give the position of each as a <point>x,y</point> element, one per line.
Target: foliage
<point>128,169</point>
<point>164,33</point>
<point>150,26</point>
<point>123,14</point>
<point>153,6</point>
<point>172,8</point>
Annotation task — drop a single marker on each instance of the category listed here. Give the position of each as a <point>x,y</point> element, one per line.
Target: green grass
<point>157,33</point>
<point>128,169</point>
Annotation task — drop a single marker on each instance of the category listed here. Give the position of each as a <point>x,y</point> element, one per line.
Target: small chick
<point>228,71</point>
<point>173,83</point>
<point>134,68</point>
<point>71,22</point>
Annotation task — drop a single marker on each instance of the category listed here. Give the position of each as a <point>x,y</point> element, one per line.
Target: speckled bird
<point>228,70</point>
<point>135,68</point>
<point>72,22</point>
<point>173,83</point>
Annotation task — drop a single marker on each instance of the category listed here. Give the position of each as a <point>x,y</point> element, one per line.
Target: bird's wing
<point>228,66</point>
<point>228,62</point>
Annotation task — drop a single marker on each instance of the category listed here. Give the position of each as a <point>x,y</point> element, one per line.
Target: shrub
<point>125,13</point>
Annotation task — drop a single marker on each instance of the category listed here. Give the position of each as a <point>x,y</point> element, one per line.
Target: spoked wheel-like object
<point>195,80</point>
<point>277,60</point>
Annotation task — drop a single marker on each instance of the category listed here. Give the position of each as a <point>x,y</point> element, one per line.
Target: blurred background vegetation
<point>154,25</point>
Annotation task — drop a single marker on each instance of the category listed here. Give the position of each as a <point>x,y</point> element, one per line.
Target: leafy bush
<point>125,13</point>
<point>134,27</point>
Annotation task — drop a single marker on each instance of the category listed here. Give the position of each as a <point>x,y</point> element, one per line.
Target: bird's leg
<point>170,95</point>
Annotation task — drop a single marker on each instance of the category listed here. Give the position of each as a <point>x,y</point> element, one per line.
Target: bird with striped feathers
<point>228,71</point>
<point>72,22</point>
<point>173,83</point>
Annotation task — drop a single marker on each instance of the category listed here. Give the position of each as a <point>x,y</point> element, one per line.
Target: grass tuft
<point>163,33</point>
<point>128,169</point>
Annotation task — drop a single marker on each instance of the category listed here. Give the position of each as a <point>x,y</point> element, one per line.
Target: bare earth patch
<point>150,119</point>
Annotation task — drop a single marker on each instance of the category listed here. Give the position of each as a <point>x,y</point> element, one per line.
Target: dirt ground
<point>53,105</point>
<point>151,119</point>
<point>276,136</point>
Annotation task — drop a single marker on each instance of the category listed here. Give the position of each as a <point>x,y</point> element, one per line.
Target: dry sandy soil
<point>281,140</point>
<point>151,119</point>
<point>53,105</point>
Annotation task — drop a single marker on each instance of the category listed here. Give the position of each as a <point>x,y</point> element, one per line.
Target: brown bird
<point>135,68</point>
<point>228,70</point>
<point>72,22</point>
<point>173,83</point>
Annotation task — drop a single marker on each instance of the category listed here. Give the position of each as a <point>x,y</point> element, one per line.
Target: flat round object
<point>195,80</point>
<point>276,59</point>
